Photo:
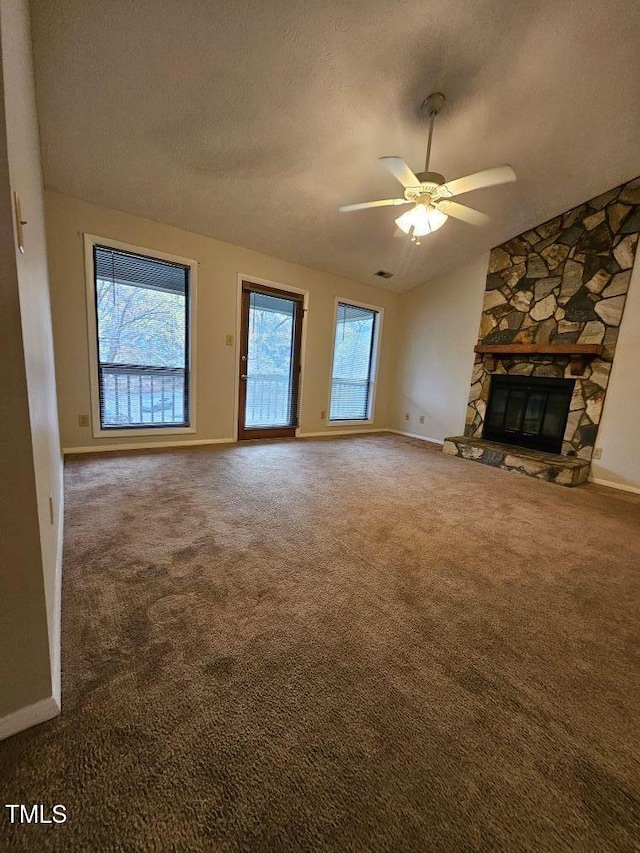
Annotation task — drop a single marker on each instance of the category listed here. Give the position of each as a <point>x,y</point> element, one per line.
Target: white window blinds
<point>351,381</point>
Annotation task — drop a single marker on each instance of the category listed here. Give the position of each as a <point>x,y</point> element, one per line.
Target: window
<point>354,356</point>
<point>142,334</point>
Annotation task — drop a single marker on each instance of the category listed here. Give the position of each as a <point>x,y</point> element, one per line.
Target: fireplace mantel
<point>578,354</point>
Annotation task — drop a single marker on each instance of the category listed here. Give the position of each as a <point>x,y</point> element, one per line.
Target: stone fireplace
<point>552,308</point>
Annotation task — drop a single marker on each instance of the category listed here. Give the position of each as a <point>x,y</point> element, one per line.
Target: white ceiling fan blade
<point>400,171</point>
<point>460,211</point>
<point>479,180</point>
<point>384,202</point>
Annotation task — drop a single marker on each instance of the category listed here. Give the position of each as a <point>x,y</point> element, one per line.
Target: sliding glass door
<point>269,362</point>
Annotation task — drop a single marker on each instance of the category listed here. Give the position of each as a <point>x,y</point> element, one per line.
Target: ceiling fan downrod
<point>431,106</point>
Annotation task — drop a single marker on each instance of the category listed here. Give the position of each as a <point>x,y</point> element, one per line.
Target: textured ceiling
<point>252,120</point>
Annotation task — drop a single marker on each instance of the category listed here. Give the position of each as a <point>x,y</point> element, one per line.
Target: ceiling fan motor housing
<point>430,178</point>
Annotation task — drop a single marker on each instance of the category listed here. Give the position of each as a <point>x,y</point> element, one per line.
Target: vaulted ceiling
<point>252,120</point>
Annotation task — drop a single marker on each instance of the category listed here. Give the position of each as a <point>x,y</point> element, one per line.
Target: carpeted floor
<point>350,644</point>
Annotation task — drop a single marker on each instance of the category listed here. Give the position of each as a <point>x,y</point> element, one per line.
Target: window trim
<point>375,360</point>
<point>91,240</point>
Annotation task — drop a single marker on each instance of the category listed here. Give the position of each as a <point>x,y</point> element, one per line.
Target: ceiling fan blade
<point>486,178</point>
<point>400,171</point>
<point>460,211</point>
<point>384,202</point>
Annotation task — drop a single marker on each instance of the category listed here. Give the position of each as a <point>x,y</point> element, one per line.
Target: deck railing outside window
<point>349,398</point>
<point>142,395</point>
<point>268,400</point>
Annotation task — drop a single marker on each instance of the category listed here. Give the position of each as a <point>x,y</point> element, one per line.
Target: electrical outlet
<point>51,514</point>
<point>406,416</point>
<point>421,419</point>
<point>323,415</point>
<point>228,340</point>
<point>597,453</point>
<point>83,420</point>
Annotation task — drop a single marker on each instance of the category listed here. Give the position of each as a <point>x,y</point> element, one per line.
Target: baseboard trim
<point>438,441</point>
<point>621,486</point>
<point>331,432</point>
<point>145,445</point>
<point>55,634</point>
<point>32,715</point>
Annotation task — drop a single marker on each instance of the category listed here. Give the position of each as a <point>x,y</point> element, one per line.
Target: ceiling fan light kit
<point>421,220</point>
<point>429,193</point>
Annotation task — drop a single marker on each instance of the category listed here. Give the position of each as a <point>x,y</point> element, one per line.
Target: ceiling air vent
<point>384,274</point>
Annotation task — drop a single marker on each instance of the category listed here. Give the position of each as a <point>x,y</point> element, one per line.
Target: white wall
<point>618,434</point>
<point>32,542</point>
<point>219,265</point>
<point>438,329</point>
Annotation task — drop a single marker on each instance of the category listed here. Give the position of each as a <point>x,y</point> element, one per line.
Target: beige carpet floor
<point>355,644</point>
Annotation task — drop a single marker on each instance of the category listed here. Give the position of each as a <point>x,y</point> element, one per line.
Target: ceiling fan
<point>428,192</point>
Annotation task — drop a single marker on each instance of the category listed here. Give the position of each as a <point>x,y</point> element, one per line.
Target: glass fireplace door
<point>528,411</point>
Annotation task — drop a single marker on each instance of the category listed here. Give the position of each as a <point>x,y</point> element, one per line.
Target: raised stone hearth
<point>564,470</point>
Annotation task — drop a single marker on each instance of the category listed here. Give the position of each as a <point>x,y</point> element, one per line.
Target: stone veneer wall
<point>563,282</point>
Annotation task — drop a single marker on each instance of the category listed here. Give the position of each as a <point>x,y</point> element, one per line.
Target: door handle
<point>243,376</point>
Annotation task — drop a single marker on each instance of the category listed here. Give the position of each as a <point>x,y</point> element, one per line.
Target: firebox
<point>529,411</point>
